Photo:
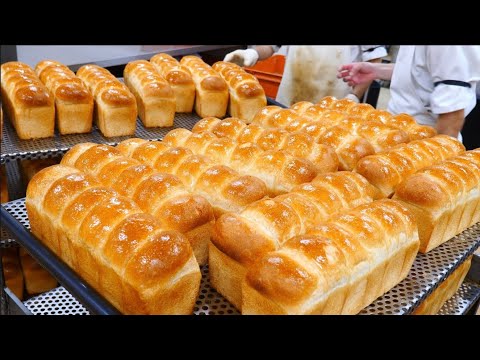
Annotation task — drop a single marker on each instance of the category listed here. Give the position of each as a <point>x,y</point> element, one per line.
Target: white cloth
<point>417,87</point>
<point>310,71</point>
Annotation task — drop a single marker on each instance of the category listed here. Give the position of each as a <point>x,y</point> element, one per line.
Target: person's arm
<point>264,51</point>
<point>451,123</point>
<point>250,56</point>
<point>359,90</point>
<point>364,72</point>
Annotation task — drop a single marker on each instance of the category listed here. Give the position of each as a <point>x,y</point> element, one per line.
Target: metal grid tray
<point>6,239</point>
<point>463,300</point>
<point>427,272</point>
<point>14,148</point>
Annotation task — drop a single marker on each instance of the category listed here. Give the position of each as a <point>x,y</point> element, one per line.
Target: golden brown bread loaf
<point>297,144</point>
<point>211,91</point>
<point>37,279</point>
<point>339,267</point>
<point>125,254</point>
<point>155,97</point>
<point>434,302</point>
<point>387,169</point>
<point>73,101</point>
<point>3,186</point>
<point>29,168</point>
<point>246,94</point>
<point>223,187</point>
<point>12,271</point>
<point>445,198</point>
<point>28,103</point>
<point>159,194</point>
<point>279,170</point>
<point>179,78</point>
<point>241,238</point>
<point>115,106</point>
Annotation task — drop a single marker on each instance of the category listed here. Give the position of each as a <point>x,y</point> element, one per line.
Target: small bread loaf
<point>339,267</point>
<point>444,197</point>
<point>37,279</point>
<point>387,169</point>
<point>115,106</point>
<point>125,254</point>
<point>239,239</point>
<point>73,101</point>
<point>223,187</point>
<point>12,271</point>
<point>180,81</point>
<point>159,194</point>
<point>27,101</point>
<point>155,98</point>
<point>211,97</point>
<point>246,94</point>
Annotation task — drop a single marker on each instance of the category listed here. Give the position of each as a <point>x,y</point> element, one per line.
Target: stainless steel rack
<point>428,271</point>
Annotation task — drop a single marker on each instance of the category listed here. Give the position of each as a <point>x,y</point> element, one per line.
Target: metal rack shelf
<point>463,300</point>
<point>428,271</point>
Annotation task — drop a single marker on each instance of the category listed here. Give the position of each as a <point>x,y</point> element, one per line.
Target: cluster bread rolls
<point>115,111</point>
<point>155,97</point>
<point>180,81</point>
<point>387,169</point>
<point>125,254</point>
<point>211,91</point>
<point>246,94</point>
<point>339,267</point>
<point>28,103</point>
<point>37,279</point>
<point>444,197</point>
<point>297,144</point>
<point>241,238</point>
<point>159,194</point>
<point>223,187</point>
<point>73,101</point>
<point>279,170</point>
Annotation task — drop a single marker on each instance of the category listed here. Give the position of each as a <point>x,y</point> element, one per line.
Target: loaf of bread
<point>125,254</point>
<point>155,97</point>
<point>387,169</point>
<point>280,171</point>
<point>159,194</point>
<point>3,186</point>
<point>28,103</point>
<point>73,101</point>
<point>339,267</point>
<point>223,187</point>
<point>37,279</point>
<point>12,271</point>
<point>180,81</point>
<point>28,168</point>
<point>246,94</point>
<point>115,106</point>
<point>434,302</point>
<point>211,91</point>
<point>445,198</point>
<point>297,144</point>
<point>241,238</point>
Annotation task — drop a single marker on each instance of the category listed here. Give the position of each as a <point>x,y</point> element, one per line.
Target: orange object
<point>269,73</point>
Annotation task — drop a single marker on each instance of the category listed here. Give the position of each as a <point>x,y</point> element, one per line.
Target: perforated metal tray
<point>427,272</point>
<point>6,239</point>
<point>463,300</point>
<point>14,148</point>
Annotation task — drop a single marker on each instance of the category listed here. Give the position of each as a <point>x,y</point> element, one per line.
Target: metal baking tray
<point>427,272</point>
<point>463,300</point>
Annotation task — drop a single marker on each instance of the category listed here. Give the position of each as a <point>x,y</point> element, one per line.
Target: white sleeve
<point>455,72</point>
<point>370,52</point>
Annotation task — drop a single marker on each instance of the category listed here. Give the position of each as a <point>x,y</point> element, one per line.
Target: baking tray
<point>463,300</point>
<point>427,272</point>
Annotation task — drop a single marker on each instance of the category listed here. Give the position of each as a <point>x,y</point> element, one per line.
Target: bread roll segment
<point>179,78</point>
<point>37,279</point>
<point>339,267</point>
<point>115,109</point>
<point>123,253</point>
<point>73,101</point>
<point>211,97</point>
<point>27,101</point>
<point>155,98</point>
<point>445,198</point>
<point>246,94</point>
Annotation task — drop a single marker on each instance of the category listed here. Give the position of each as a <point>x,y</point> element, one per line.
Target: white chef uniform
<point>310,71</point>
<point>432,80</point>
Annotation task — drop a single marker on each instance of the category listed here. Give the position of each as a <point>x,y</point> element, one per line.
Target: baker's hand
<point>247,57</point>
<point>357,73</point>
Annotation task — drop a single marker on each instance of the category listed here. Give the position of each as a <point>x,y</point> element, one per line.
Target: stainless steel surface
<point>13,148</point>
<point>463,300</point>
<point>427,272</point>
